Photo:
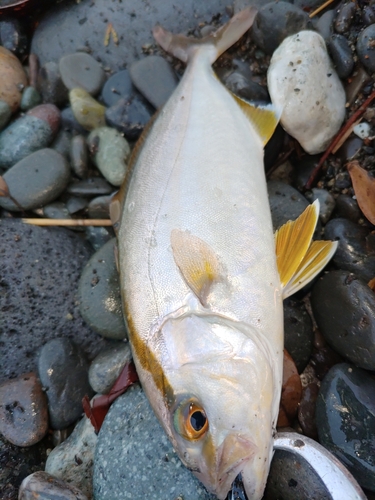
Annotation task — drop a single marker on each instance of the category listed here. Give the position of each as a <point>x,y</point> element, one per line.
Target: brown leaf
<point>291,392</point>
<point>364,188</point>
<point>4,191</point>
<point>371,284</point>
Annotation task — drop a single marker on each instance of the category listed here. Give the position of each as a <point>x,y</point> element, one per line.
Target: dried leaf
<point>364,188</point>
<point>371,284</point>
<point>4,191</point>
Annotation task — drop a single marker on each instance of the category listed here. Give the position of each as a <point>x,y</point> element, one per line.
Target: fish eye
<point>190,420</point>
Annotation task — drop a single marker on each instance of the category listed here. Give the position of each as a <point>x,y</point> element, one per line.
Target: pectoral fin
<point>196,261</point>
<point>299,259</point>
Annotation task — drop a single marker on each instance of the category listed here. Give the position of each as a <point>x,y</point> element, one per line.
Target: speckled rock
<point>87,111</point>
<point>157,473</point>
<point>107,366</point>
<point>298,333</point>
<point>100,296</point>
<point>345,15</point>
<point>303,83</point>
<point>286,203</point>
<point>12,78</point>
<point>43,486</point>
<point>40,269</point>
<point>345,415</point>
<point>81,70</point>
<point>72,461</point>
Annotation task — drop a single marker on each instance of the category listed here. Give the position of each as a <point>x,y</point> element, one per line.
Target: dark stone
<point>345,416</point>
<point>298,333</point>
<point>93,186</point>
<point>129,116</point>
<point>98,236</point>
<point>43,486</point>
<point>342,56</point>
<point>63,371</point>
<point>12,35</point>
<point>343,307</point>
<point>344,17</point>
<point>39,269</point>
<point>81,70</point>
<point>303,169</point>
<point>347,208</point>
<point>61,144</point>
<point>99,207</point>
<point>349,149</point>
<point>79,156</point>
<point>107,366</point>
<point>75,204</point>
<point>118,86</point>
<point>306,410</point>
<point>324,24</point>
<point>68,122</point>
<point>286,203</point>
<point>50,84</point>
<point>354,252</point>
<point>322,360</point>
<point>365,49</point>
<point>242,85</point>
<point>368,15</point>
<point>273,147</point>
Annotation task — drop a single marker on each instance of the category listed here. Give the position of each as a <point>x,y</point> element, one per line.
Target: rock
<point>111,153</point>
<point>240,83</point>
<point>365,51</point>
<point>154,78</point>
<point>36,180</point>
<point>354,252</point>
<point>75,204</point>
<point>275,21</point>
<point>368,15</point>
<point>100,296</point>
<point>132,430</point>
<point>40,269</point>
<point>82,70</point>
<point>12,78</point>
<point>107,366</point>
<point>326,203</point>
<point>69,122</point>
<point>344,17</point>
<point>23,410</point>
<point>86,110</point>
<point>129,116</point>
<point>72,461</point>
<point>5,113</point>
<point>99,207</point>
<point>359,78</point>
<point>118,86</point>
<point>273,147</point>
<point>343,307</point>
<point>61,144</point>
<point>291,392</point>
<point>79,156</point>
<point>286,203</point>
<point>345,415</point>
<point>30,98</point>
<point>63,371</point>
<point>322,360</point>
<point>347,208</point>
<point>98,236</point>
<point>303,168</point>
<point>50,84</point>
<point>324,24</point>
<point>341,53</point>
<point>306,410</point>
<point>43,486</point>
<point>93,186</point>
<point>350,149</point>
<point>302,82</point>
<point>56,210</point>
<point>298,334</point>
<point>12,36</point>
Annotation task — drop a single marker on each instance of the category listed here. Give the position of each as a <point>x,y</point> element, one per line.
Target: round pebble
<point>129,116</point>
<point>75,204</point>
<point>343,307</point>
<point>50,84</point>
<point>118,86</point>
<point>30,98</point>
<point>365,49</point>
<point>347,208</point>
<point>12,78</point>
<point>303,168</point>
<point>99,207</point>
<point>350,148</point>
<point>326,203</point>
<point>342,56</point>
<point>87,111</point>
<point>100,296</point>
<point>79,156</point>
<point>12,35</point>
<point>107,366</point>
<point>344,17</point>
<point>323,359</point>
<point>286,203</point>
<point>368,15</point>
<point>81,70</point>
<point>242,85</point>
<point>298,333</point>
<point>98,236</point>
<point>43,486</point>
<point>324,24</point>
<point>36,180</point>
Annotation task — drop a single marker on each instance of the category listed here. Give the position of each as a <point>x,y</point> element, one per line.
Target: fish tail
<point>184,48</point>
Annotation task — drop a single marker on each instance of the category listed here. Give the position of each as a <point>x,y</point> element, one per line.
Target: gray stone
<point>324,24</point>
<point>131,430</point>
<point>100,296</point>
<point>107,366</point>
<point>286,203</point>
<point>99,207</point>
<point>326,203</point>
<point>365,49</point>
<point>79,156</point>
<point>118,86</point>
<point>129,116</point>
<point>81,70</point>
<point>93,186</point>
<point>298,333</point>
<point>61,144</point>
<point>98,236</point>
<point>43,486</point>
<point>30,98</point>
<point>342,56</point>
<point>75,204</point>
<point>5,113</point>
<point>56,210</point>
<point>50,84</point>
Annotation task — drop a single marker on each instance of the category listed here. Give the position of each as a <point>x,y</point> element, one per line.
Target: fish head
<point>224,405</point>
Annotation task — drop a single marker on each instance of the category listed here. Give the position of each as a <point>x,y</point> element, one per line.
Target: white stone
<point>362,130</point>
<point>303,83</point>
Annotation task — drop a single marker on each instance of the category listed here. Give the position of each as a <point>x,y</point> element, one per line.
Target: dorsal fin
<point>197,262</point>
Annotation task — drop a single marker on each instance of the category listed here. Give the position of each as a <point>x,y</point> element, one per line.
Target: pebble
<point>63,371</point>
<point>79,156</point>
<point>240,84</point>
<point>345,415</point>
<point>23,410</point>
<point>50,84</point>
<point>112,151</point>
<point>286,203</point>
<point>75,204</point>
<point>298,333</point>
<point>359,78</point>
<point>43,486</point>
<point>343,306</point>
<point>98,236</point>
<point>154,78</point>
<point>39,282</point>
<point>72,461</point>
<point>303,83</point>
<point>12,78</point>
<point>61,143</point>
<point>5,113</point>
<point>291,392</point>
<point>56,210</point>
<point>131,431</point>
<point>362,130</point>
<point>342,56</point>
<point>93,186</point>
<point>347,208</point>
<point>324,24</point>
<point>275,21</point>
<point>354,252</point>
<point>82,70</point>
<point>36,180</point>
<point>303,168</point>
<point>69,122</point>
<point>368,15</point>
<point>306,410</point>
<point>326,203</point>
<point>129,116</point>
<point>99,294</point>
<point>273,147</point>
<point>118,86</point>
<point>344,17</point>
<point>86,110</point>
<point>30,98</point>
<point>351,147</point>
<point>12,36</point>
<point>322,360</point>
<point>99,207</point>
<point>365,49</point>
<point>107,366</point>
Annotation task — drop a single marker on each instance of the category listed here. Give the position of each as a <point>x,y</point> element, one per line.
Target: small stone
<point>75,204</point>
<point>344,17</point>
<point>154,78</point>
<point>63,371</point>
<point>86,110</point>
<point>43,486</point>
<point>322,360</point>
<point>12,79</point>
<point>303,168</point>
<point>368,15</point>
<point>93,186</point>
<point>362,130</point>
<point>129,116</point>
<point>81,70</point>
<point>324,24</point>
<point>347,208</point>
<point>49,113</point>
<point>36,180</point>
<point>326,203</point>
<point>286,203</point>
<point>351,147</point>
<point>99,207</point>
<point>79,156</point>
<point>303,83</point>
<point>69,122</point>
<point>111,153</point>
<point>98,236</point>
<point>291,392</point>
<point>100,296</point>
<point>345,416</point>
<point>306,410</point>
<point>61,144</point>
<point>240,84</point>
<point>343,307</point>
<point>342,56</point>
<point>56,210</point>
<point>365,48</point>
<point>12,36</point>
<point>50,84</point>
<point>30,98</point>
<point>23,410</point>
<point>358,80</point>
<point>273,147</point>
<point>298,333</point>
<point>107,366</point>
<point>72,461</point>
<point>118,86</point>
<point>5,113</point>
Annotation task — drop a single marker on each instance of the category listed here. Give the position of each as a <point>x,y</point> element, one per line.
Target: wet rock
<point>86,110</point>
<point>347,208</point>
<point>30,98</point>
<point>343,307</point>
<point>36,180</point>
<point>98,236</point>
<point>129,116</point>
<point>100,296</point>
<point>81,70</point>
<point>322,360</point>
<point>93,186</point>
<point>5,113</point>
<point>291,392</point>
<point>158,473</point>
<point>118,86</point>
<point>72,461</point>
<point>368,15</point>
<point>302,82</point>
<point>50,84</point>
<point>354,252</point>
<point>12,78</point>
<point>341,53</point>
<point>306,410</point>
<point>99,207</point>
<point>12,35</point>
<point>365,49</point>
<point>111,153</point>
<point>154,78</point>
<point>298,333</point>
<point>57,210</point>
<point>79,156</point>
<point>274,22</point>
<point>326,203</point>
<point>286,203</point>
<point>23,410</point>
<point>43,486</point>
<point>344,17</point>
<point>324,24</point>
<point>107,366</point>
<point>345,415</point>
<point>63,371</point>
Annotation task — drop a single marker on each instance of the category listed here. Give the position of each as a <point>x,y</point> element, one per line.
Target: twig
<point>319,9</point>
<point>68,222</point>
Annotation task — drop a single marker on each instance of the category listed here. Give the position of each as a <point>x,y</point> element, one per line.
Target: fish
<point>202,274</point>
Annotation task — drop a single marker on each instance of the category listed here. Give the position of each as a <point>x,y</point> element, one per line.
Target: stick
<point>319,9</point>
<point>68,222</point>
